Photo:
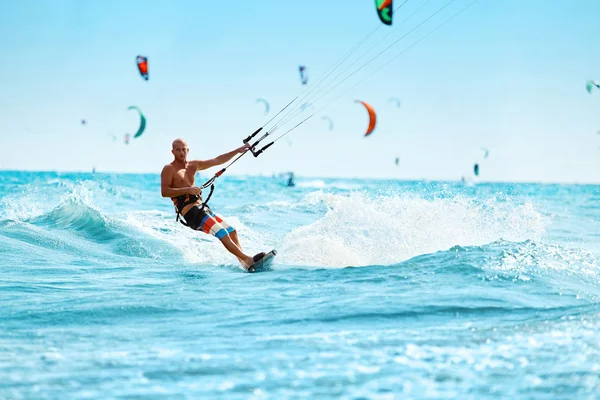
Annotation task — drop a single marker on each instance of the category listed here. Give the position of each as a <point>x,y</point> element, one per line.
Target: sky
<point>507,75</point>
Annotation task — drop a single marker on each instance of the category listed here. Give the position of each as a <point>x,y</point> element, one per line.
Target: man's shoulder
<point>168,168</point>
<point>194,164</point>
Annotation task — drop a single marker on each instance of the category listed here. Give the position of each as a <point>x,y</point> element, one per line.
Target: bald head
<point>179,143</point>
<point>180,150</point>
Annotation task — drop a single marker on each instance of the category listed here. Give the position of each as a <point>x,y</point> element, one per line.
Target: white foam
<point>196,247</point>
<point>318,184</point>
<point>34,200</point>
<point>281,204</point>
<point>362,230</point>
<point>530,259</point>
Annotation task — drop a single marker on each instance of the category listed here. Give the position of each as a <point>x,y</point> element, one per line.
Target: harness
<point>183,200</point>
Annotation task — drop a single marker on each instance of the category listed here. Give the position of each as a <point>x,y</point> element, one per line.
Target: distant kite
<point>303,74</point>
<point>384,10</point>
<point>395,100</point>
<point>476,169</point>
<point>486,152</point>
<point>127,137</point>
<point>590,84</point>
<point>142,126</point>
<point>372,117</point>
<point>306,106</point>
<point>142,64</point>
<point>265,102</point>
<point>325,117</point>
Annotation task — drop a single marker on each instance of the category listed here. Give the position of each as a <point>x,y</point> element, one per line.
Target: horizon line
<point>470,180</point>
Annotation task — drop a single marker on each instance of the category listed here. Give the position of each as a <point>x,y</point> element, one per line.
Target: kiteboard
<point>264,263</point>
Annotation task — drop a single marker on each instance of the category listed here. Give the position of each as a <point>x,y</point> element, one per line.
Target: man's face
<point>180,151</point>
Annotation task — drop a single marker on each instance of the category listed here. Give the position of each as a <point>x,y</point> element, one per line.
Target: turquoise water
<point>381,289</point>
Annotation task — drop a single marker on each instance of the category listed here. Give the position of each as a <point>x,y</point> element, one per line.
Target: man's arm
<point>222,159</point>
<point>166,190</point>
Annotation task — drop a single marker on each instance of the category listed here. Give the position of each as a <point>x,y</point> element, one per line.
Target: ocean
<point>381,289</point>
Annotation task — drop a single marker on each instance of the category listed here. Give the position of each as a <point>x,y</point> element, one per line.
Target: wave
<point>351,229</point>
<point>496,278</point>
<point>362,229</point>
<point>76,214</point>
<point>76,227</point>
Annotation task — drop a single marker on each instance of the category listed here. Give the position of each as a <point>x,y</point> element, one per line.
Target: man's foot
<point>251,261</point>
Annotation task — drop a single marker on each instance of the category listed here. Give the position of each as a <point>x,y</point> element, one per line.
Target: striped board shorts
<point>208,222</point>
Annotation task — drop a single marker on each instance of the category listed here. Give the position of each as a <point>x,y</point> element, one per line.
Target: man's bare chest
<point>183,177</point>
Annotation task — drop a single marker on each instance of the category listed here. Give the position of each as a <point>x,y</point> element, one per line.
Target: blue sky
<point>508,75</point>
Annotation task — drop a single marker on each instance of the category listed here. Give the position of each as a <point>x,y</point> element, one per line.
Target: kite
<point>590,84</point>
<point>395,100</point>
<point>325,117</point>
<point>305,106</point>
<point>303,75</point>
<point>142,64</point>
<point>265,102</point>
<point>486,152</point>
<point>384,10</point>
<point>142,126</point>
<point>372,117</point>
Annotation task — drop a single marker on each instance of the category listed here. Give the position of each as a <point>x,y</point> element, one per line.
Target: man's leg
<point>231,231</point>
<point>233,248</point>
<point>234,237</point>
<point>216,226</point>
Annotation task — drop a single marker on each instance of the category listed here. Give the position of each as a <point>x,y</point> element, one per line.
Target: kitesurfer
<point>290,181</point>
<point>177,182</point>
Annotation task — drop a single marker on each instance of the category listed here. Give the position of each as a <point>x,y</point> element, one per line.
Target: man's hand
<point>195,190</point>
<point>243,149</point>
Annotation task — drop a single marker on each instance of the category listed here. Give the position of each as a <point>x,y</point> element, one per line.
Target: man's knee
<point>225,238</point>
<point>222,234</point>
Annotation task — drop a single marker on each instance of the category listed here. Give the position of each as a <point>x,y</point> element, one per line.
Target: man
<point>177,182</point>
